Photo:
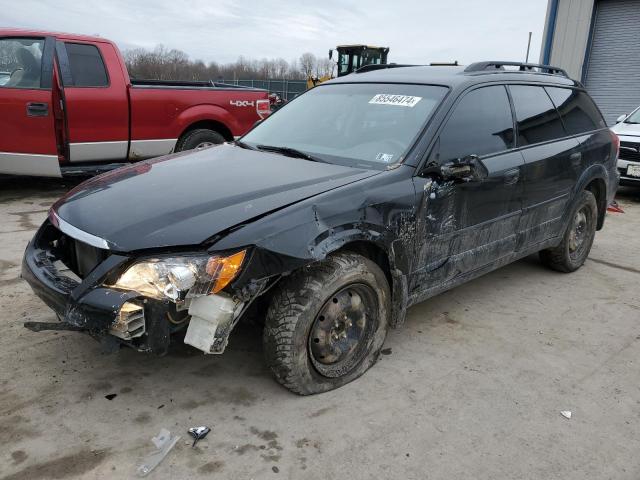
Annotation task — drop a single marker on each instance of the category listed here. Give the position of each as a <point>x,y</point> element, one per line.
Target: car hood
<point>186,198</point>
<point>626,129</point>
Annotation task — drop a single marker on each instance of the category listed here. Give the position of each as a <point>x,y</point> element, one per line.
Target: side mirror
<point>330,53</point>
<point>621,118</point>
<point>467,169</point>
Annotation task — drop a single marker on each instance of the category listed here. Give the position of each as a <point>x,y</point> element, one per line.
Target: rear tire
<point>576,243</point>
<point>326,324</point>
<point>198,139</point>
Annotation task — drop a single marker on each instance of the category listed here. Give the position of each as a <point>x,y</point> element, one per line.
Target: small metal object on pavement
<point>198,433</point>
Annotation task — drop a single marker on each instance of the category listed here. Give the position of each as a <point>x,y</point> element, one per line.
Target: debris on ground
<point>566,413</point>
<point>198,433</point>
<point>614,208</point>
<point>164,442</point>
<point>111,396</point>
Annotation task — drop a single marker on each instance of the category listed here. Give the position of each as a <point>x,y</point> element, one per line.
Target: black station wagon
<point>365,195</point>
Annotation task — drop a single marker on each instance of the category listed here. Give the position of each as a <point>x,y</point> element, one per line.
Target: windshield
<point>364,125</point>
<point>634,117</point>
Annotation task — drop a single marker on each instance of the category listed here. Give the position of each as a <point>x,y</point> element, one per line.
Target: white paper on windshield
<point>399,100</point>
<point>384,157</point>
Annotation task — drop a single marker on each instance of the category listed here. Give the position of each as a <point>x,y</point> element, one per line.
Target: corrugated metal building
<point>597,42</point>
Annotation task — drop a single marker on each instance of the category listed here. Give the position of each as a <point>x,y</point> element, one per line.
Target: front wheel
<point>578,238</point>
<point>326,324</point>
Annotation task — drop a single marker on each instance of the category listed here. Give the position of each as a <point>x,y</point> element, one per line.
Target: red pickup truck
<point>67,105</point>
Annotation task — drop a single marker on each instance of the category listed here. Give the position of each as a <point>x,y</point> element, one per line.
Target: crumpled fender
<point>310,230</point>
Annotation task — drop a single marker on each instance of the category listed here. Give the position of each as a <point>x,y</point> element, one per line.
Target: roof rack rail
<point>372,67</point>
<point>523,67</point>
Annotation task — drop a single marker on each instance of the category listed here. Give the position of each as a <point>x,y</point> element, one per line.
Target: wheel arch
<point>373,251</point>
<point>209,124</point>
<point>208,116</point>
<point>384,258</point>
<point>598,187</point>
<point>594,179</point>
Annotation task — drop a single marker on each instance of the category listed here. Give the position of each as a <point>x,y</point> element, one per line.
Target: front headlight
<point>177,278</point>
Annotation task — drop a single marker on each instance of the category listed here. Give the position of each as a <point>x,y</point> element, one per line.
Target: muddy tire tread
<point>288,305</point>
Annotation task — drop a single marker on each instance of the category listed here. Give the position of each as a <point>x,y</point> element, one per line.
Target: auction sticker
<point>399,100</point>
<point>384,157</point>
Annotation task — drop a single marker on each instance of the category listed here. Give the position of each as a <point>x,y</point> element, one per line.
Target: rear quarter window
<point>538,120</point>
<point>87,67</point>
<point>577,110</point>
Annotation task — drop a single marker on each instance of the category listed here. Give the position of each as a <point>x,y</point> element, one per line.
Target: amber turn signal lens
<point>224,269</point>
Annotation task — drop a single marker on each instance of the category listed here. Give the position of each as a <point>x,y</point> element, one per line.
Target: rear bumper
<point>29,164</point>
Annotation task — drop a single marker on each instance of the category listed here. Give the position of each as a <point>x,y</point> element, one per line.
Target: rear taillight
<point>263,108</point>
<point>616,143</point>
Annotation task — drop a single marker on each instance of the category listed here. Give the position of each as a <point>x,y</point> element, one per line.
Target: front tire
<point>326,324</point>
<point>576,243</point>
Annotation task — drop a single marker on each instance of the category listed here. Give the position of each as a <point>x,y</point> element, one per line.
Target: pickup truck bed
<point>69,106</point>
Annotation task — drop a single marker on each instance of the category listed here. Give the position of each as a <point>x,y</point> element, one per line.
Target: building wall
<point>570,35</point>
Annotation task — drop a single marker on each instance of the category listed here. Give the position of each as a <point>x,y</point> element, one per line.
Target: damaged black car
<point>360,198</point>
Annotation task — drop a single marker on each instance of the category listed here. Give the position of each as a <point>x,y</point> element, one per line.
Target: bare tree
<point>324,67</point>
<point>280,68</point>
<point>169,64</point>
<point>308,63</point>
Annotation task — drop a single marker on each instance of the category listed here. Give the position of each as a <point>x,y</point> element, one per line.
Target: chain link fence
<point>287,89</point>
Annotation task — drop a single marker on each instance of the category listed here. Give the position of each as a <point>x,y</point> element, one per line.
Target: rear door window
<point>20,62</point>
<point>577,110</point>
<point>481,124</point>
<point>538,120</point>
<point>87,67</point>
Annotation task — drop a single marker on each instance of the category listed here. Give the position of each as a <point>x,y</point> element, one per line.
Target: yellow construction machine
<point>351,58</point>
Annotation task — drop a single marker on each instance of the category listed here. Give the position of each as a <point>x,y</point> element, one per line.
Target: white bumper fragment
<point>210,315</point>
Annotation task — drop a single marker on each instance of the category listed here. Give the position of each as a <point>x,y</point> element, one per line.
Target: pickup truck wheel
<point>578,238</point>
<point>326,324</point>
<point>199,138</point>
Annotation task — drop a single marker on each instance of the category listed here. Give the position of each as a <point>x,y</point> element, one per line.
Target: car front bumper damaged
<point>115,316</point>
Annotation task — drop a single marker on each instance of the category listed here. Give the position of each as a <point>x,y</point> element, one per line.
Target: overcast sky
<point>417,31</point>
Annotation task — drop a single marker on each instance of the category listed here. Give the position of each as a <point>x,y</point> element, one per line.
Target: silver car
<point>627,127</point>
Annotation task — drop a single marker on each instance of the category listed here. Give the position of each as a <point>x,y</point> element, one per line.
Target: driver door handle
<point>511,176</point>
<point>37,109</point>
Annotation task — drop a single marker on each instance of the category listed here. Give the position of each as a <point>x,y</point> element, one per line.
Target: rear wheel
<point>578,238</point>
<point>326,324</point>
<point>198,139</point>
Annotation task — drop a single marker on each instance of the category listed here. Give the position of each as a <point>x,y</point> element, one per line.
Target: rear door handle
<point>576,159</point>
<point>37,109</point>
<point>511,176</point>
